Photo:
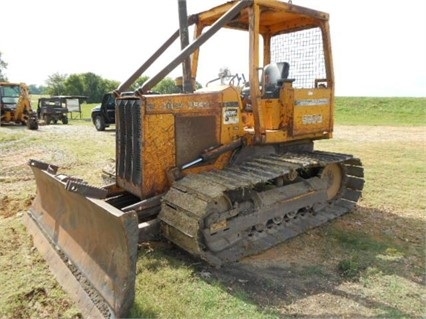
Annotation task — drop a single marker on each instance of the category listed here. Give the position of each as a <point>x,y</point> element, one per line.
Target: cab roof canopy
<point>275,17</point>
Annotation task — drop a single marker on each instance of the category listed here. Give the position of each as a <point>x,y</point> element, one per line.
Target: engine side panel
<point>156,133</point>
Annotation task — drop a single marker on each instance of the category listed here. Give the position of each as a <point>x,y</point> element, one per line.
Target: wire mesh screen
<point>303,50</point>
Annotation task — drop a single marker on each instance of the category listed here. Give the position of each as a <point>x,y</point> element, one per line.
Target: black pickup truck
<point>104,114</point>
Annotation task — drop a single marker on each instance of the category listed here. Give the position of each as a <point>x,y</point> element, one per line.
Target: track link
<point>224,215</point>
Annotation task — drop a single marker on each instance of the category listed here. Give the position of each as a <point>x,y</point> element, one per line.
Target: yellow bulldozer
<point>15,104</point>
<point>223,172</point>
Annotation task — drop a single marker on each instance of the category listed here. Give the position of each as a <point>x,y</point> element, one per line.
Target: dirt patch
<point>360,134</point>
<point>50,144</point>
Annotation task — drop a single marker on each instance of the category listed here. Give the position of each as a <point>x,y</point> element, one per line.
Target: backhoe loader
<point>223,172</point>
<point>15,105</point>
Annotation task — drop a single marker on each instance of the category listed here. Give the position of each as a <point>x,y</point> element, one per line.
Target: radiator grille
<point>128,138</point>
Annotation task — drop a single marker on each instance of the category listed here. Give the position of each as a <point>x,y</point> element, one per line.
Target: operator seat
<point>284,68</point>
<point>274,76</point>
<point>277,73</point>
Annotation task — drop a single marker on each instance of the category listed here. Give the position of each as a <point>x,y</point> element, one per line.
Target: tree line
<point>87,84</point>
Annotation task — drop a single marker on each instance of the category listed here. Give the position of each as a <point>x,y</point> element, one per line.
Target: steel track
<point>224,215</point>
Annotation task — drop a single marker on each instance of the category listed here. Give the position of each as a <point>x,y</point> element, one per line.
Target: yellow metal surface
<point>287,15</point>
<point>273,114</point>
<point>159,129</point>
<point>247,119</point>
<point>312,111</point>
<point>219,163</point>
<point>287,98</point>
<point>183,103</point>
<point>23,105</point>
<point>232,126</point>
<point>158,152</point>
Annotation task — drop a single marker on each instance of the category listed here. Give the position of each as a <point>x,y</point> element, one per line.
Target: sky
<point>379,46</point>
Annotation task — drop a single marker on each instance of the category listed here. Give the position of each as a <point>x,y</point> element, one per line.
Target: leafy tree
<point>166,86</point>
<point>34,89</point>
<point>111,85</point>
<point>138,83</point>
<point>89,84</point>
<point>198,85</point>
<point>74,85</point>
<point>94,87</point>
<point>3,66</point>
<point>56,84</point>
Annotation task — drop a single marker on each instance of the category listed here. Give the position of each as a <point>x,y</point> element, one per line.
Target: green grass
<point>360,249</point>
<point>374,257</point>
<point>86,110</point>
<point>380,111</point>
<point>385,268</point>
<point>27,285</point>
<point>84,118</point>
<point>168,287</point>
<point>394,170</point>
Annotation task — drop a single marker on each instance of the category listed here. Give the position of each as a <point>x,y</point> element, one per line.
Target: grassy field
<point>370,263</point>
<point>380,111</point>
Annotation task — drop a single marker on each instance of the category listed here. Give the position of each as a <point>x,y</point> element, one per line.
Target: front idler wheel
<point>333,175</point>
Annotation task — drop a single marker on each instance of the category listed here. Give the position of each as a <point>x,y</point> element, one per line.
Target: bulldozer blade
<point>89,245</point>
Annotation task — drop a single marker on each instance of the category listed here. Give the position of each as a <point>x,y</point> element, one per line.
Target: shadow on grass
<point>359,245</point>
